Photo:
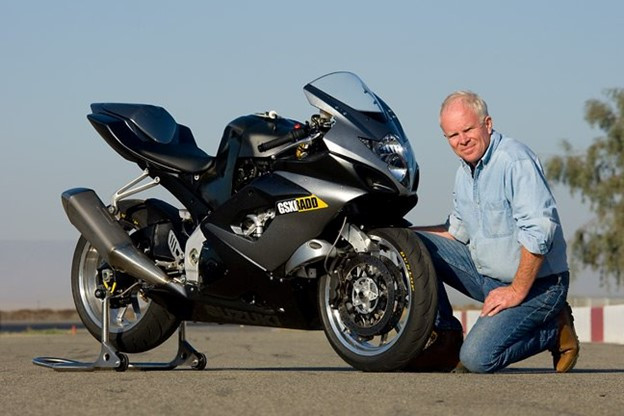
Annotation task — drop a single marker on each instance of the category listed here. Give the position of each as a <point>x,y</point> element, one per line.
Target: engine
<point>254,224</point>
<point>248,169</point>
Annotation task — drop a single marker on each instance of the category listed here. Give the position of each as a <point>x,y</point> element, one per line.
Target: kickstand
<point>111,359</point>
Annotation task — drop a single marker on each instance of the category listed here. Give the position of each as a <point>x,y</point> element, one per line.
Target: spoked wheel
<point>136,323</point>
<point>378,308</point>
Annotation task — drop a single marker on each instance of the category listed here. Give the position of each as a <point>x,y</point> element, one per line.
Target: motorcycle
<point>291,225</point>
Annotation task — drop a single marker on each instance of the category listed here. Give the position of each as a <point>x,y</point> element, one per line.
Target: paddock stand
<point>110,359</point>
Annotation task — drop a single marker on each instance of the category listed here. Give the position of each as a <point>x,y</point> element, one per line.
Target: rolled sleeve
<point>456,229</point>
<point>533,206</point>
<point>538,239</point>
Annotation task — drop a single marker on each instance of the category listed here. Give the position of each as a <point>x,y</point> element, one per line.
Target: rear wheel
<point>378,308</point>
<point>137,323</point>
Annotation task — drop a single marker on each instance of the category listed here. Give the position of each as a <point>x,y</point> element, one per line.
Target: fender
<point>158,220</point>
<point>148,212</point>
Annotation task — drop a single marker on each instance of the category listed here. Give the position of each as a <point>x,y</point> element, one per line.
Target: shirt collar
<point>495,139</point>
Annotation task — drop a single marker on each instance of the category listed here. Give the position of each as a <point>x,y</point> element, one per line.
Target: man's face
<point>468,135</point>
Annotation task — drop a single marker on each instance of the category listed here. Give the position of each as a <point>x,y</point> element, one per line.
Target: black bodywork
<point>242,278</point>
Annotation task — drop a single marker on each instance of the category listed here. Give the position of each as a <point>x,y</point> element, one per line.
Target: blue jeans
<point>512,334</point>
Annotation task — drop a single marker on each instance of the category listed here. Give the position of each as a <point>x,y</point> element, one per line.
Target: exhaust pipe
<point>88,214</point>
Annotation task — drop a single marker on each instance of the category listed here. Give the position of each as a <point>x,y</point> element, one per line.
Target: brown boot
<point>566,350</point>
<point>441,353</point>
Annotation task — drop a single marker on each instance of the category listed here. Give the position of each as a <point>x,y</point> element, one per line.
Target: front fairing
<point>362,125</point>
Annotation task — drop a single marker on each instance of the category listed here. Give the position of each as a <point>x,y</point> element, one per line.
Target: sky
<point>534,62</point>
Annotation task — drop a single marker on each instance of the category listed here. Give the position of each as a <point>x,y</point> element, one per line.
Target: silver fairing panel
<point>287,231</point>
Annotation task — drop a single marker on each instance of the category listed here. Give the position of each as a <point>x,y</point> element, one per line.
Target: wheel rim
<point>378,344</point>
<point>121,319</point>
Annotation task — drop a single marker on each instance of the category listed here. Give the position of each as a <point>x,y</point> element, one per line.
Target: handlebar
<point>290,137</point>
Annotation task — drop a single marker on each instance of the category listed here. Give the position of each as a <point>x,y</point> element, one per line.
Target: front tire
<point>137,326</point>
<point>378,311</point>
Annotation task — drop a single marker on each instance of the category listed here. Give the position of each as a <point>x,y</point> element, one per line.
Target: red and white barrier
<point>599,324</point>
<point>593,324</point>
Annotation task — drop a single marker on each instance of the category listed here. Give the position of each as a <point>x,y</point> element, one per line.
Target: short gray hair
<point>470,99</point>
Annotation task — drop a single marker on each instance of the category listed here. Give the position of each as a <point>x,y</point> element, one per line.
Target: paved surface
<point>257,371</point>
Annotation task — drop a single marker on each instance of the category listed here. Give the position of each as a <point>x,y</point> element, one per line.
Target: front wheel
<point>378,308</point>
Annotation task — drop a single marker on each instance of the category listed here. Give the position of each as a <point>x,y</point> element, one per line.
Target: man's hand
<point>509,296</point>
<point>501,298</point>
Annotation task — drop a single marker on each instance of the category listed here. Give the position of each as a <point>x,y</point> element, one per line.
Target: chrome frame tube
<point>127,190</point>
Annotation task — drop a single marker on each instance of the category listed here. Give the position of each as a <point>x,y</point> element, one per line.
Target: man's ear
<point>489,124</point>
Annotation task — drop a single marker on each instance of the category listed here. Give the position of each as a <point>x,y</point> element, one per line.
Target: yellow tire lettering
<point>409,271</point>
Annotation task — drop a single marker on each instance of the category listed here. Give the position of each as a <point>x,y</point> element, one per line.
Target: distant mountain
<point>39,315</point>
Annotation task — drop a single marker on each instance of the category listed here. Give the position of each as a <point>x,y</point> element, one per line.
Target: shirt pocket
<point>497,219</point>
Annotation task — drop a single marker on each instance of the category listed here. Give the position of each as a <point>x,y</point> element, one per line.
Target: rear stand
<point>111,359</point>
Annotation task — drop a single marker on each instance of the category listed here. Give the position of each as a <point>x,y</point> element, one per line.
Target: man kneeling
<point>502,245</point>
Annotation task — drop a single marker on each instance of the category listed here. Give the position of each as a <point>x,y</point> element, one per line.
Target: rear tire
<point>137,327</point>
<point>379,315</point>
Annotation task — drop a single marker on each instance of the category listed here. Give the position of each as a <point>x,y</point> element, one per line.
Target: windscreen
<point>348,89</point>
<point>363,123</point>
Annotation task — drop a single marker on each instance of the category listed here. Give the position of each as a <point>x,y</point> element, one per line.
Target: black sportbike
<point>293,225</point>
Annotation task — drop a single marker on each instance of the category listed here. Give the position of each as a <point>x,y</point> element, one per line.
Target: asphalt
<point>258,371</point>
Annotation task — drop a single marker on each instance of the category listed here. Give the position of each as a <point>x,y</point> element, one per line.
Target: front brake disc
<point>367,296</point>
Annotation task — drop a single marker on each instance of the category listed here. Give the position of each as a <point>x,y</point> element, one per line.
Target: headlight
<point>394,154</point>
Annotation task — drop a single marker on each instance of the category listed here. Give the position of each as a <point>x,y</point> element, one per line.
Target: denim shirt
<point>504,204</point>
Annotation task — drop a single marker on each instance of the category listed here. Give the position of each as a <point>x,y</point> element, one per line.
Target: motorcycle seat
<point>147,133</point>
